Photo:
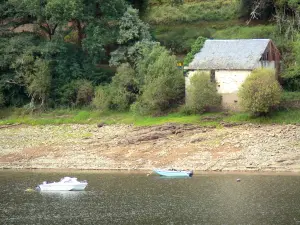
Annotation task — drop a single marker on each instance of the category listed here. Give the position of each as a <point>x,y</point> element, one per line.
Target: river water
<point>134,198</point>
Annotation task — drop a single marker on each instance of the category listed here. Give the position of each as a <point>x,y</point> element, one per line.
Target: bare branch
<point>14,82</point>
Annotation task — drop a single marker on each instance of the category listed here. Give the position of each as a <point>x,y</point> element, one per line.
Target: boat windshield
<point>68,179</point>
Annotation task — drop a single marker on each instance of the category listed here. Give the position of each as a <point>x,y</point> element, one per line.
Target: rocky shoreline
<point>247,147</point>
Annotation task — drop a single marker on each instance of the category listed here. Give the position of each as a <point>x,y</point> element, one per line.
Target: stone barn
<point>229,62</point>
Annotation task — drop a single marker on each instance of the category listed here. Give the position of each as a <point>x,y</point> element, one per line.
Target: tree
<point>12,48</point>
<point>202,94</point>
<point>124,88</point>
<point>37,11</point>
<point>38,83</point>
<point>85,92</point>
<point>290,76</point>
<point>95,14</point>
<point>131,31</point>
<point>141,5</point>
<point>132,28</point>
<point>260,92</point>
<point>258,9</point>
<point>161,82</point>
<point>121,93</point>
<point>77,15</point>
<point>77,34</point>
<point>196,47</point>
<point>34,75</point>
<point>77,93</point>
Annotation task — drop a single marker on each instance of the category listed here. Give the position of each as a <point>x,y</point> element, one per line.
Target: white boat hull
<point>62,187</point>
<point>65,184</point>
<point>174,173</point>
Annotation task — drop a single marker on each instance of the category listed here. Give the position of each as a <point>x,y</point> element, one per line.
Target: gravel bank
<point>239,148</point>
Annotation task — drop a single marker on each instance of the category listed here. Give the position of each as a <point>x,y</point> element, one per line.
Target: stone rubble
<point>243,147</point>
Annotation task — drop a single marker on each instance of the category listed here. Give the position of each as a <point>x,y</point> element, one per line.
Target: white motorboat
<point>65,184</point>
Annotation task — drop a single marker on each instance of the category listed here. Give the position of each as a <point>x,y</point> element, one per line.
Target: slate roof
<point>243,54</point>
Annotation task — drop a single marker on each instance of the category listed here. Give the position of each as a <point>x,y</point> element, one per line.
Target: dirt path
<point>240,148</point>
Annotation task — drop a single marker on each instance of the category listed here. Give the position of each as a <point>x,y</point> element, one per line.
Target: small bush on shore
<point>260,92</point>
<point>85,93</point>
<point>202,94</point>
<point>102,98</point>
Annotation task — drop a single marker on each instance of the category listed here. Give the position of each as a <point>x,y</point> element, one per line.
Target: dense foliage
<point>162,84</point>
<point>196,47</point>
<point>75,53</point>
<point>55,58</point>
<point>260,92</point>
<point>217,10</point>
<point>278,20</point>
<point>152,85</point>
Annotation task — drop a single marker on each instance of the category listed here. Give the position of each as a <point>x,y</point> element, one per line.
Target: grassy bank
<point>192,11</point>
<point>67,116</point>
<point>291,96</point>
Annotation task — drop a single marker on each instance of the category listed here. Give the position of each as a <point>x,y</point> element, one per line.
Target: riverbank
<point>248,147</point>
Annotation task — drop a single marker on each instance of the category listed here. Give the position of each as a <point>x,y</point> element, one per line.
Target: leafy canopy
<point>161,82</point>
<point>131,31</point>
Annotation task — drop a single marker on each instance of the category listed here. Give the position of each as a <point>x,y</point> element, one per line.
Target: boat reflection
<point>63,194</point>
<point>168,178</point>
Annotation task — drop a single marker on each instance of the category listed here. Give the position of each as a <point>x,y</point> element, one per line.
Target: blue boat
<point>174,173</point>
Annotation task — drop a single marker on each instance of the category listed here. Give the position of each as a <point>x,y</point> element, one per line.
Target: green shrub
<point>161,82</point>
<point>77,93</point>
<point>291,76</point>
<point>196,47</point>
<point>67,94</point>
<point>101,100</point>
<point>85,92</point>
<point>160,95</point>
<point>120,99</point>
<point>124,88</point>
<point>202,94</point>
<point>260,92</point>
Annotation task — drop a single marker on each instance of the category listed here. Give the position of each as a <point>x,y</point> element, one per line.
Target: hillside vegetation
<point>121,55</point>
<point>178,26</point>
<point>191,11</point>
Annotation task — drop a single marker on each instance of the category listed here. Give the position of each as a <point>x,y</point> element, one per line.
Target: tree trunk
<point>80,32</point>
<point>48,30</point>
